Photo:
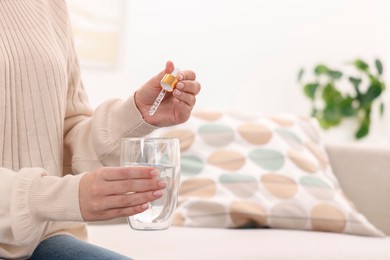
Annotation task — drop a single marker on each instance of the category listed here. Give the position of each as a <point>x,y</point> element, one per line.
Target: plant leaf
<point>364,128</point>
<point>335,74</point>
<point>330,94</point>
<point>310,90</point>
<point>379,66</point>
<point>361,65</point>
<point>362,131</point>
<point>332,115</point>
<point>355,81</point>
<point>356,85</point>
<point>346,107</point>
<point>382,109</point>
<point>324,123</point>
<point>300,74</point>
<point>321,69</point>
<point>373,91</point>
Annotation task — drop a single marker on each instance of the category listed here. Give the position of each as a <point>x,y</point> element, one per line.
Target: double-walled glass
<point>163,154</point>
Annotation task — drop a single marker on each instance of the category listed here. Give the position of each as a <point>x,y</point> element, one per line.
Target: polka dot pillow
<point>242,170</point>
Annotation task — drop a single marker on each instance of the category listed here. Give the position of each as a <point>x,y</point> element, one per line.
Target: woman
<point>55,151</point>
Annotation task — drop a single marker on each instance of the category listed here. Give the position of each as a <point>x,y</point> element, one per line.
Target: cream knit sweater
<point>48,132</point>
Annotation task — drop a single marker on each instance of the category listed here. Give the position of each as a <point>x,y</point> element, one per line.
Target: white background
<point>246,53</point>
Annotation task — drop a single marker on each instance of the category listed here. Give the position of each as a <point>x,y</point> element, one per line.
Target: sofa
<point>363,174</point>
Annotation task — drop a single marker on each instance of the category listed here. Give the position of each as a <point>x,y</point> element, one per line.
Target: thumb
<point>169,67</point>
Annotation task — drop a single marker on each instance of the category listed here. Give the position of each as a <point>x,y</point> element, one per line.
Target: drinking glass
<point>163,154</point>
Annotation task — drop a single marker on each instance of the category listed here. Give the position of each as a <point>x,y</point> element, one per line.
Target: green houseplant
<point>336,95</point>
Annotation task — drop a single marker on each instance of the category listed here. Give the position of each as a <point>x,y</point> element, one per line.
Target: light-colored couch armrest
<point>364,175</point>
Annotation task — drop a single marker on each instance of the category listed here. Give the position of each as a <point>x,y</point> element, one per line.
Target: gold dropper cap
<point>169,81</point>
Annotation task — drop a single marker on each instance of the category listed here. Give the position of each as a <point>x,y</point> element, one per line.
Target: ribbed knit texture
<point>47,128</point>
<point>34,84</point>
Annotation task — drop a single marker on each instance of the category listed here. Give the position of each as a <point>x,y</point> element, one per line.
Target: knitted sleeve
<point>36,199</point>
<point>92,138</point>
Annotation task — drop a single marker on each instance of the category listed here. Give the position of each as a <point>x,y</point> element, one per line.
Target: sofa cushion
<point>249,170</point>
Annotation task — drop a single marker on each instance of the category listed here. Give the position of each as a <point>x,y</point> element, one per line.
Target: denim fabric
<point>64,247</point>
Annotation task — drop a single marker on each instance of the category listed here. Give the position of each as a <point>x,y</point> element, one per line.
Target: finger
<point>130,200</point>
<point>155,81</point>
<point>126,173</point>
<point>137,185</point>
<point>183,110</point>
<point>186,91</point>
<point>129,211</point>
<point>118,212</point>
<point>183,97</point>
<point>169,67</point>
<point>192,87</point>
<point>186,75</point>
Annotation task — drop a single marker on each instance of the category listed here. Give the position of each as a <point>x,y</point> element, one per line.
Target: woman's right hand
<point>108,193</point>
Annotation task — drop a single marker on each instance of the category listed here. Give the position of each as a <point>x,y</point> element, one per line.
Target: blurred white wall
<point>246,53</point>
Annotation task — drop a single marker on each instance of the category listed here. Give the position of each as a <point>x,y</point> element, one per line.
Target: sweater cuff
<point>38,198</point>
<point>128,119</point>
<point>114,120</point>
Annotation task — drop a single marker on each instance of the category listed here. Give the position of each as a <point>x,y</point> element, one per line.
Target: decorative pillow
<point>247,170</point>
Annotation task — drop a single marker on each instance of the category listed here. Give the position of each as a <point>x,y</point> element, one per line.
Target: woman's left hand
<point>176,106</point>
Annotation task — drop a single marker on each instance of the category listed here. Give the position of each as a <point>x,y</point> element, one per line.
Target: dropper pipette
<point>168,83</point>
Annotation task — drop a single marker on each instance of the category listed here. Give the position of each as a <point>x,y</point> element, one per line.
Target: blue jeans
<point>64,247</point>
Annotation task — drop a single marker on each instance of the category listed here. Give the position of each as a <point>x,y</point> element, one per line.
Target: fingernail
<point>162,184</point>
<point>145,206</point>
<point>157,193</point>
<point>180,76</point>
<point>154,173</point>
<point>180,85</point>
<point>177,92</point>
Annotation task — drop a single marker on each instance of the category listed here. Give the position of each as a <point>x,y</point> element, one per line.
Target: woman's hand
<point>176,106</point>
<point>109,193</point>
